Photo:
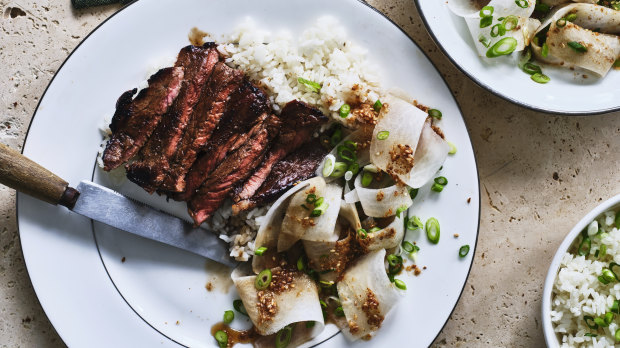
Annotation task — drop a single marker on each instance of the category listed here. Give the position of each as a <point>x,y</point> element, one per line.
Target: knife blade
<point>110,207</point>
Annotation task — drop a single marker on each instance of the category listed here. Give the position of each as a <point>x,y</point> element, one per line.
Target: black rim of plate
<point>489,88</point>
<point>92,223</point>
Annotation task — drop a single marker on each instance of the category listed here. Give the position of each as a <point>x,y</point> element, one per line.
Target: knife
<point>109,207</point>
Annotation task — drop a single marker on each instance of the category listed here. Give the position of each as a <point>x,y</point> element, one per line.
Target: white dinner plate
<point>568,92</point>
<point>157,296</point>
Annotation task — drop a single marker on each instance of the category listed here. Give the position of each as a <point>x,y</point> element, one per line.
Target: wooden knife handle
<point>20,173</point>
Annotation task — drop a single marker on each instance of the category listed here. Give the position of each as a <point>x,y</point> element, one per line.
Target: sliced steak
<point>149,171</point>
<point>297,166</point>
<point>205,118</point>
<point>299,122</point>
<point>235,168</point>
<point>247,109</point>
<point>135,119</point>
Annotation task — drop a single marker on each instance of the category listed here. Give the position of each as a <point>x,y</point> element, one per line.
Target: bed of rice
<point>322,54</point>
<point>577,292</point>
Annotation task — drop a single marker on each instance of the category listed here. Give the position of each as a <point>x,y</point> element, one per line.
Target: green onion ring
<point>531,68</point>
<point>347,154</point>
<point>336,137</point>
<point>344,111</point>
<point>311,198</point>
<point>222,338</point>
<point>413,193</point>
<point>339,312</point>
<point>339,169</point>
<point>484,41</point>
<point>407,247</point>
<point>486,21</point>
<point>283,338</point>
<point>577,47</point>
<point>502,47</point>
<point>441,180</point>
<point>311,85</point>
<point>351,144</point>
<point>229,316</point>
<point>400,284</point>
<point>486,11</point>
<point>400,210</point>
<point>263,279</point>
<point>239,307</point>
<point>377,105</point>
<point>437,188</point>
<point>433,230</point>
<point>367,179</point>
<point>434,113</point>
<point>328,166</point>
<point>260,251</point>
<point>374,229</point>
<point>615,307</point>
<point>464,250</point>
<point>571,17</point>
<point>383,135</point>
<point>414,223</point>
<point>510,23</point>
<point>590,322</point>
<point>560,23</point>
<point>354,168</point>
<point>600,322</point>
<point>362,234</point>
<point>545,50</point>
<point>613,271</point>
<point>522,3</point>
<point>608,318</point>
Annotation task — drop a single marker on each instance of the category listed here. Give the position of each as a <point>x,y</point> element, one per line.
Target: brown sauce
<point>235,336</point>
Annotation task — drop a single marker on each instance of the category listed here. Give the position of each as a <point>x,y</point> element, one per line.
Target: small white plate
<point>568,92</point>
<point>157,297</point>
<point>550,337</point>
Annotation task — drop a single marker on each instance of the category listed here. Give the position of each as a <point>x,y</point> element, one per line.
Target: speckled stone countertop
<point>539,175</point>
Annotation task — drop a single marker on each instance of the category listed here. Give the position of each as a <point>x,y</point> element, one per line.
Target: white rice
<point>322,54</point>
<point>577,292</point>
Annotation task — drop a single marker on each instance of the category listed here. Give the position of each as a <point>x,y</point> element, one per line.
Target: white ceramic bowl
<point>550,336</point>
<point>564,94</point>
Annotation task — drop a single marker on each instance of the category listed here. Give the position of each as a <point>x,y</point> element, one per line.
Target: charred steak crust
<point>149,171</point>
<point>235,168</point>
<point>205,118</point>
<point>297,166</point>
<point>247,109</point>
<point>299,122</point>
<point>135,119</point>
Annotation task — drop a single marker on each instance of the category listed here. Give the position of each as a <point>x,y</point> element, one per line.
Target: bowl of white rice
<point>580,304</point>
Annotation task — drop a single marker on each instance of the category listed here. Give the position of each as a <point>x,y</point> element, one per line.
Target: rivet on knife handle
<point>24,175</point>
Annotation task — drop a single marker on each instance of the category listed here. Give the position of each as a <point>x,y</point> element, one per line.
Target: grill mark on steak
<point>247,109</point>
<point>198,63</point>
<point>297,166</point>
<point>299,122</point>
<point>235,168</point>
<point>135,119</point>
<point>205,118</point>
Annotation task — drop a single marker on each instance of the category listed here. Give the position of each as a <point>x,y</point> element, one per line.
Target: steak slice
<point>149,171</point>
<point>235,168</point>
<point>205,118</point>
<point>297,166</point>
<point>299,122</point>
<point>247,109</point>
<point>135,119</point>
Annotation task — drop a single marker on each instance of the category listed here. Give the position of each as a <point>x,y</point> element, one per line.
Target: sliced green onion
<point>339,312</point>
<point>222,338</point>
<point>609,317</point>
<point>301,263</point>
<point>612,269</point>
<point>393,260</point>
<point>339,169</point>
<point>432,230</point>
<point>600,322</point>
<point>377,105</point>
<point>577,47</point>
<point>584,246</point>
<point>617,335</point>
<point>498,30</point>
<point>346,153</point>
<point>400,210</point>
<point>319,209</point>
<point>486,21</point>
<point>571,17</point>
<point>344,111</point>
<point>326,283</point>
<point>510,23</point>
<point>354,168</point>
<point>531,68</point>
<point>501,19</point>
<point>362,234</point>
<point>434,113</point>
<point>486,11</point>
<point>617,65</point>
<point>603,251</point>
<point>229,316</point>
<point>371,168</point>
<point>615,307</point>
<point>502,47</point>
<point>464,250</point>
<point>260,251</point>
<point>311,85</point>
<point>542,8</point>
<point>590,322</point>
<point>452,148</point>
<point>522,3</point>
<point>603,280</point>
<point>413,193</point>
<point>383,135</point>
<point>351,144</point>
<point>239,307</point>
<point>336,137</point>
<point>441,180</point>
<point>263,279</point>
<point>545,50</point>
<point>400,284</point>
<point>560,23</point>
<point>484,41</point>
<point>607,276</point>
<point>374,229</point>
<point>414,223</point>
<point>591,334</point>
<point>407,247</point>
<point>540,78</point>
<point>311,198</point>
<point>283,338</point>
<point>323,304</point>
<point>437,188</point>
<point>328,165</point>
<point>367,178</point>
<point>310,324</point>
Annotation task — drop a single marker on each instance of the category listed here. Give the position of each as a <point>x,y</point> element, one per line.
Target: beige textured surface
<point>539,174</point>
